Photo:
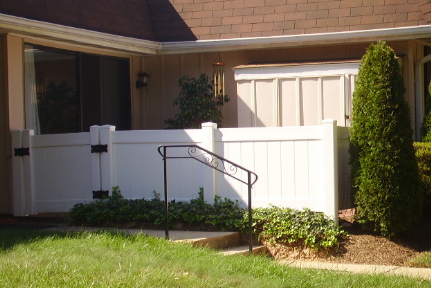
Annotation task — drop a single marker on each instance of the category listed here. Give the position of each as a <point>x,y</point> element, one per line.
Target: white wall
<point>297,166</point>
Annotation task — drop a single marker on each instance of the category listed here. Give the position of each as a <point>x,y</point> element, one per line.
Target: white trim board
<point>399,33</point>
<point>53,31</point>
<point>281,72</point>
<point>76,35</point>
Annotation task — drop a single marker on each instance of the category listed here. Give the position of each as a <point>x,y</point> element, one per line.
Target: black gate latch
<point>99,148</point>
<point>19,152</point>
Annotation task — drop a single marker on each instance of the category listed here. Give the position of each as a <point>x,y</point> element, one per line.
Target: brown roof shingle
<point>183,20</point>
<point>120,17</point>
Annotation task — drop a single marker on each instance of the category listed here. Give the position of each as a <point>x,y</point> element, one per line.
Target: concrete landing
<point>423,273</point>
<point>197,238</point>
<point>244,250</point>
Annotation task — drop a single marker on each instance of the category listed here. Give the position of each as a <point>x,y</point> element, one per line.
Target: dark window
<point>68,91</point>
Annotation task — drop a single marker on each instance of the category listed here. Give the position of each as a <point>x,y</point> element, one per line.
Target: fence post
<point>17,174</point>
<point>22,181</point>
<point>105,134</point>
<point>95,160</point>
<point>209,130</point>
<point>28,173</point>
<point>330,168</point>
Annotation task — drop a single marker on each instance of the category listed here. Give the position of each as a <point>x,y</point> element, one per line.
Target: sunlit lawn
<point>30,258</point>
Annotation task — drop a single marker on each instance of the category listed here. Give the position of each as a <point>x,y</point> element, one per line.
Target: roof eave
<point>77,35</point>
<point>104,40</point>
<point>399,33</point>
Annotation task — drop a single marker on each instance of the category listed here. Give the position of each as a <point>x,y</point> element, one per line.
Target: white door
<point>288,95</point>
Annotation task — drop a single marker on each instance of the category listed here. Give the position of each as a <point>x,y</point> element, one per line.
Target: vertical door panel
<point>288,102</point>
<point>332,108</point>
<point>264,95</point>
<point>309,105</point>
<point>245,109</point>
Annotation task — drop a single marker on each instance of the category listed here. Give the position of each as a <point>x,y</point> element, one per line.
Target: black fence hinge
<point>100,194</point>
<point>19,152</point>
<point>99,148</point>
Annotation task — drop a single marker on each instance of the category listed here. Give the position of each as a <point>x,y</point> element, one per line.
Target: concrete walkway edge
<point>423,273</point>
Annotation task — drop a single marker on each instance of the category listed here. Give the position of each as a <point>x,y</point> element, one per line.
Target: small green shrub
<point>224,214</point>
<point>423,156</point>
<point>196,103</point>
<point>427,128</point>
<point>303,228</point>
<point>385,176</point>
<point>279,225</point>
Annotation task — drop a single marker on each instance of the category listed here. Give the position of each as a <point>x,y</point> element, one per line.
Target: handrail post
<point>165,194</point>
<point>250,211</point>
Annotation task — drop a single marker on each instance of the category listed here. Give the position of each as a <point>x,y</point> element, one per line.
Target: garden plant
<point>385,173</point>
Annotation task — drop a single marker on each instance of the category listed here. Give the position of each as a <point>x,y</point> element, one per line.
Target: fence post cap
<point>110,127</point>
<point>209,124</point>
<point>328,121</point>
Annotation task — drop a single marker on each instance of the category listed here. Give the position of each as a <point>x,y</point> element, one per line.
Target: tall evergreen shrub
<point>385,177</point>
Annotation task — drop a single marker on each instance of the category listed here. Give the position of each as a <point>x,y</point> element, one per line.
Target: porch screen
<point>294,94</point>
<point>67,91</point>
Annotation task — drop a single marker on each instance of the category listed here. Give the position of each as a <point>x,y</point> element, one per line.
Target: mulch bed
<point>359,248</point>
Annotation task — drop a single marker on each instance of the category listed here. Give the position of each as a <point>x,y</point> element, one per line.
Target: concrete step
<point>227,239</point>
<point>244,250</point>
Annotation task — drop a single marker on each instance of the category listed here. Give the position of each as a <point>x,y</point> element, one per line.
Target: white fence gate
<point>298,167</point>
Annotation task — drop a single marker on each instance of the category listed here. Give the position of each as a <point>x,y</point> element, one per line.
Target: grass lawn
<point>30,258</point>
<point>421,260</point>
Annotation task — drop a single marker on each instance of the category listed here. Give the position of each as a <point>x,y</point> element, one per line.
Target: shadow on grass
<point>13,235</point>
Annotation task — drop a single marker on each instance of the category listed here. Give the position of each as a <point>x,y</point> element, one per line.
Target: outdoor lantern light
<point>142,80</point>
<point>218,78</point>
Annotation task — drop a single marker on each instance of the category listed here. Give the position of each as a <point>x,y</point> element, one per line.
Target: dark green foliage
<point>423,155</point>
<point>293,227</point>
<point>224,214</point>
<point>382,155</point>
<point>427,128</point>
<point>279,225</point>
<point>196,103</point>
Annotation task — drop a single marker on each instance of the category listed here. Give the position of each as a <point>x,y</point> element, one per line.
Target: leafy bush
<point>382,155</point>
<point>279,225</point>
<point>224,214</point>
<point>423,156</point>
<point>427,128</point>
<point>197,104</point>
<point>293,227</point>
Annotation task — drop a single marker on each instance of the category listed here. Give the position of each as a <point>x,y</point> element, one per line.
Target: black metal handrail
<point>216,162</point>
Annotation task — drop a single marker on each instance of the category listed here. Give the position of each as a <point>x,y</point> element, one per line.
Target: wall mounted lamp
<point>142,80</point>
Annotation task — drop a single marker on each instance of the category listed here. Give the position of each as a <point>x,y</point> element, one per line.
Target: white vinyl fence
<point>298,167</point>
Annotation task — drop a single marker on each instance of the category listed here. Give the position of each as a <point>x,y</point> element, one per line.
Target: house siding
<point>157,103</point>
<point>254,18</point>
